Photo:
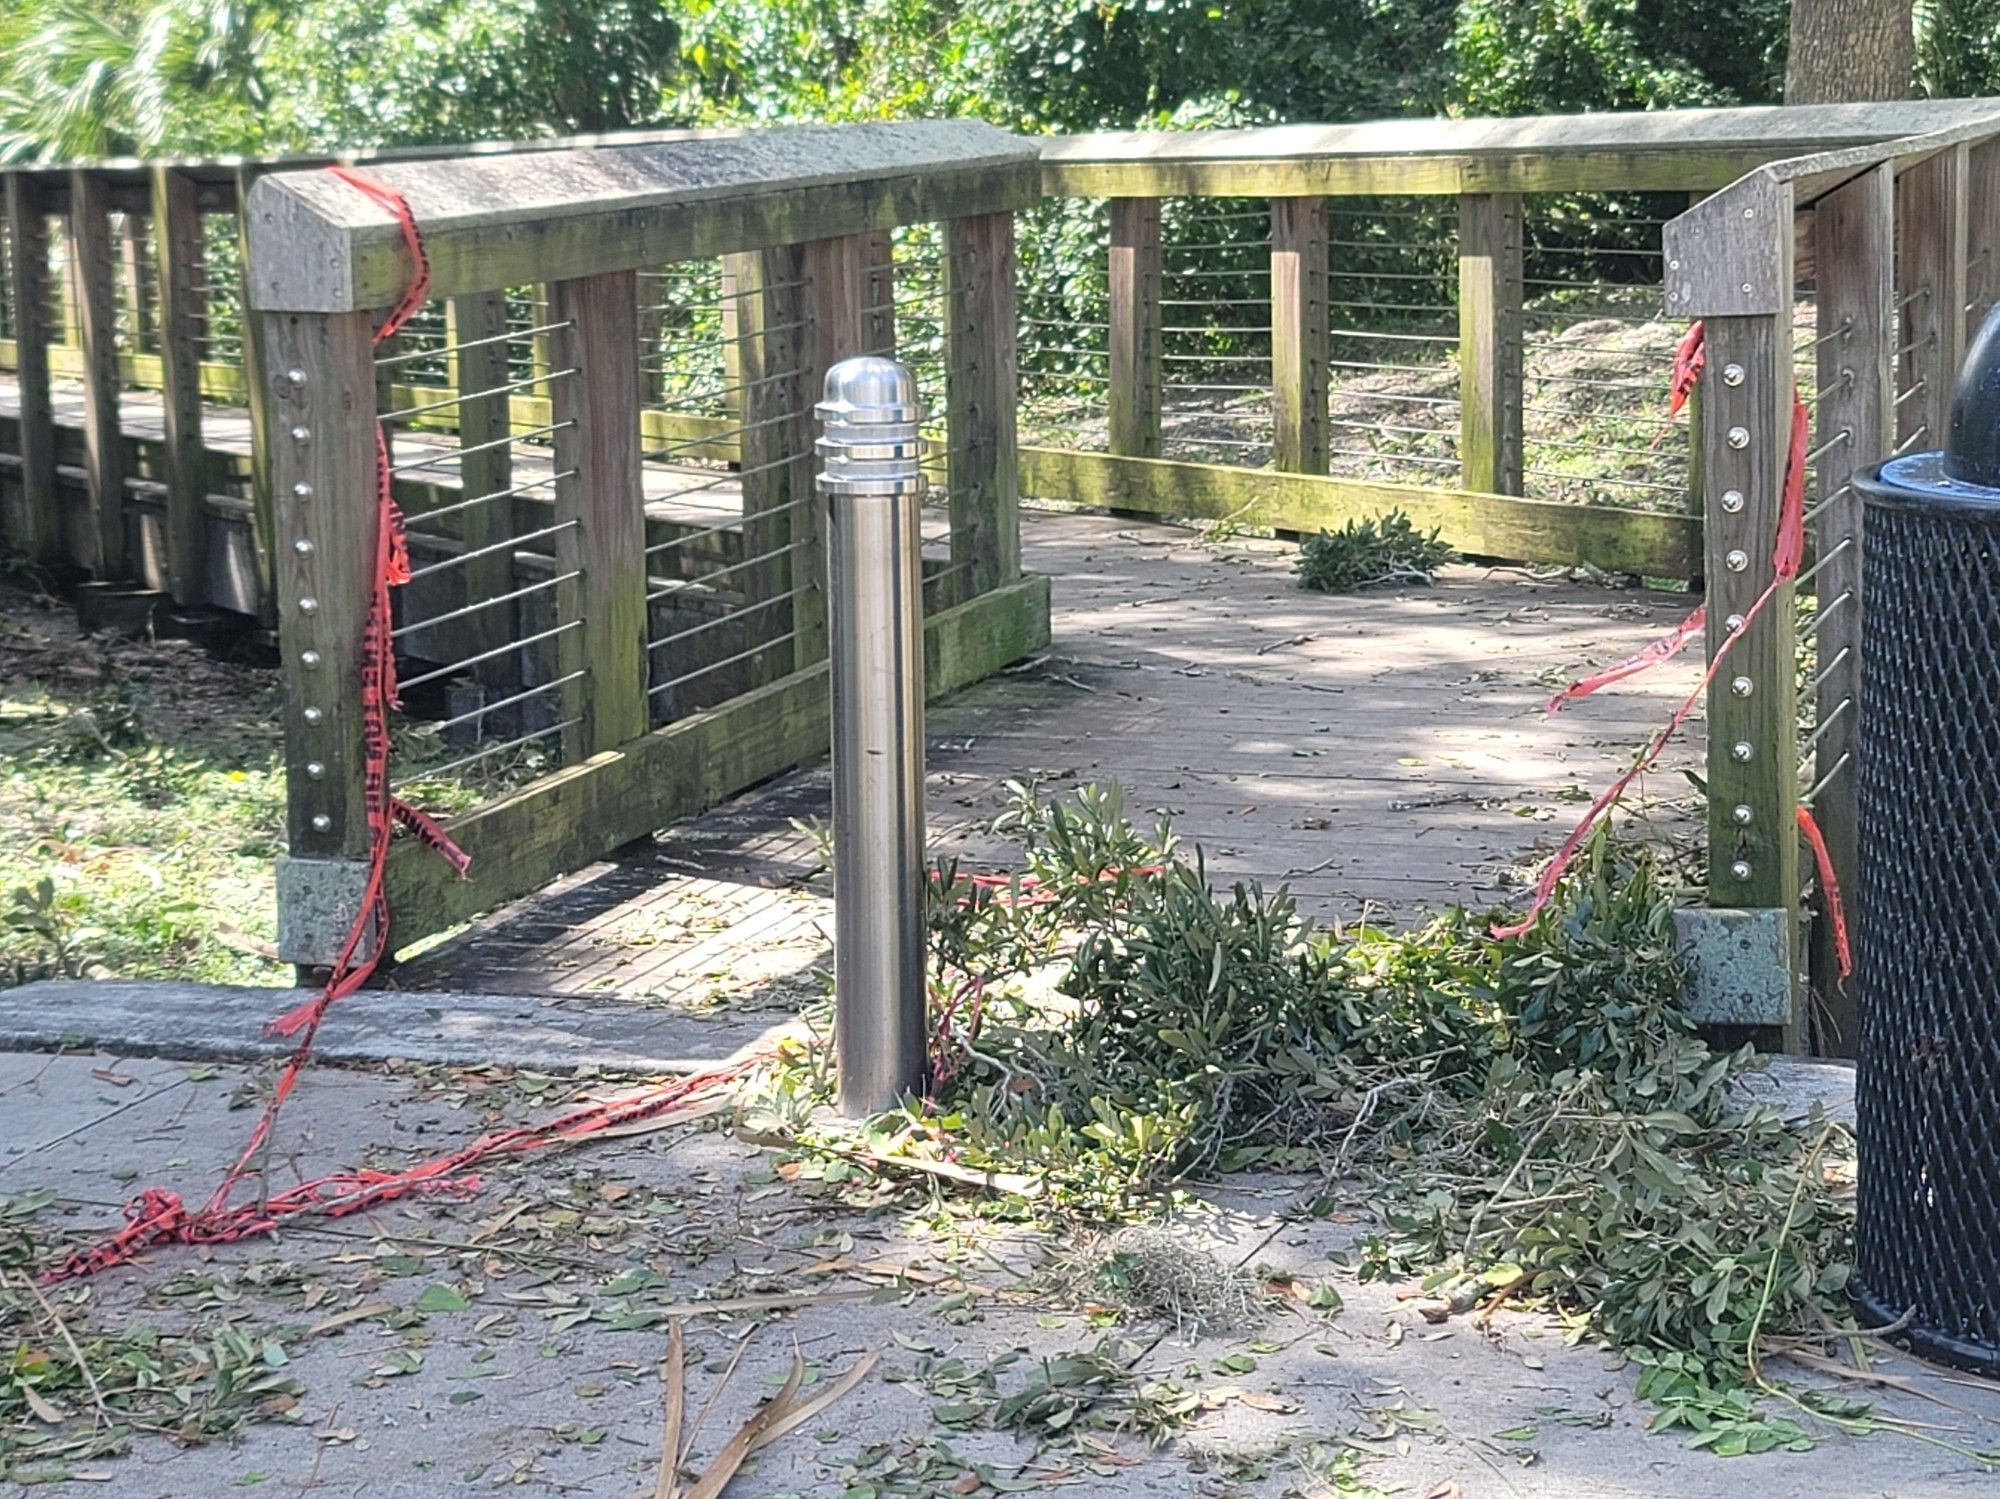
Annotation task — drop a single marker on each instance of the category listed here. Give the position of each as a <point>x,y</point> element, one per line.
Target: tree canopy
<point>83,78</point>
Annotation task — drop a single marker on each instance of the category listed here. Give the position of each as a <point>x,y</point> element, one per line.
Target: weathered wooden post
<point>35,527</point>
<point>1301,340</point>
<point>982,384</point>
<point>476,365</point>
<point>321,367</point>
<point>1982,231</point>
<point>97,330</point>
<point>1137,393</point>
<point>1490,292</point>
<point>256,387</point>
<point>839,277</point>
<point>600,501</point>
<point>1729,263</point>
<point>1854,258</point>
<point>177,241</point>
<point>1930,274</point>
<point>773,407</point>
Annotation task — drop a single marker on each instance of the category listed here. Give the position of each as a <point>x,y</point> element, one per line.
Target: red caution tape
<point>1665,648</point>
<point>1790,549</point>
<point>1829,884</point>
<point>1787,552</point>
<point>1690,355</point>
<point>158,1217</point>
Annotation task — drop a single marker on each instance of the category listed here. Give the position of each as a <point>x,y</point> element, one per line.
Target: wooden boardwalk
<point>1384,754</point>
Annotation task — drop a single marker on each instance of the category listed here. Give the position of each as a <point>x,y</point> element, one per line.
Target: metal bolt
<point>1732,374</point>
<point>1732,500</point>
<point>302,434</point>
<point>1673,265</point>
<point>322,823</point>
<point>296,375</point>
<point>1749,213</point>
<point>1733,623</point>
<point>309,659</point>
<point>311,715</point>
<point>1746,288</point>
<point>1740,814</point>
<point>1741,751</point>
<point>302,491</point>
<point>1741,686</point>
<point>314,769</point>
<point>1740,869</point>
<point>1736,561</point>
<point>303,546</point>
<point>1739,437</point>
<point>309,605</point>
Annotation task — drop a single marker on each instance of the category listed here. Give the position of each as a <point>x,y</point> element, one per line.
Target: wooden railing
<point>1854,276</point>
<point>633,626</point>
<point>1461,319</point>
<point>1470,321</point>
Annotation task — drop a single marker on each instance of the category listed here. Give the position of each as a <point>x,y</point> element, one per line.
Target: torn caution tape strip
<point>156,1216</point>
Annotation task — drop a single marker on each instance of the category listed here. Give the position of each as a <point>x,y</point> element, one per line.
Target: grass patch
<point>142,806</point>
<point>142,802</point>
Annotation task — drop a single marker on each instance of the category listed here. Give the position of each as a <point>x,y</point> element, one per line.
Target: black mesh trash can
<point>1927,1256</point>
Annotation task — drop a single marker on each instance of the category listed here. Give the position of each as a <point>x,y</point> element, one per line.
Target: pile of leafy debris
<point>1533,1115</point>
<point>71,1392</point>
<point>1364,553</point>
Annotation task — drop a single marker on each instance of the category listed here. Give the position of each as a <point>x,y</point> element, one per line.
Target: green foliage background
<point>105,77</point>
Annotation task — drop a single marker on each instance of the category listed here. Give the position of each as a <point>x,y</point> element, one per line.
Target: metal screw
<point>302,491</point>
<point>1740,814</point>
<point>302,434</point>
<point>1732,500</point>
<point>314,769</point>
<point>1736,561</point>
<point>1739,437</point>
<point>1732,374</point>
<point>1740,751</point>
<point>1740,869</point>
<point>303,546</point>
<point>1746,288</point>
<point>1741,686</point>
<point>309,659</point>
<point>1733,623</point>
<point>1749,213</point>
<point>312,715</point>
<point>321,822</point>
<point>308,605</point>
<point>1673,265</point>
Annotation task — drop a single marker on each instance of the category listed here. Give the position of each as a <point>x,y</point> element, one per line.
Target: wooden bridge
<point>599,428</point>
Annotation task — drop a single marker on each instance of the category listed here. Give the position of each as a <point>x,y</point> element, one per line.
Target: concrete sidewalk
<point>515,1338</point>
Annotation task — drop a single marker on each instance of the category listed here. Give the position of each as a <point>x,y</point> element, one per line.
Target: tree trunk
<point>1848,50</point>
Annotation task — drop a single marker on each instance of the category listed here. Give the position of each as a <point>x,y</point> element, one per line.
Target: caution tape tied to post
<point>158,1216</point>
<point>1787,554</point>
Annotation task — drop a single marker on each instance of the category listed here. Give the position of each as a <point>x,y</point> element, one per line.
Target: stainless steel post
<point>869,474</point>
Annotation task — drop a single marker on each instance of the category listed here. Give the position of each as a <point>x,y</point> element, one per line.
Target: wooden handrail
<point>1699,149</point>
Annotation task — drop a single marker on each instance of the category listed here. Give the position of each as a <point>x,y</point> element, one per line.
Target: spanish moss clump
<point>1153,1272</point>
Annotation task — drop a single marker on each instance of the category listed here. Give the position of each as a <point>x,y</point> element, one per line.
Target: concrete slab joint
<point>1739,973</point>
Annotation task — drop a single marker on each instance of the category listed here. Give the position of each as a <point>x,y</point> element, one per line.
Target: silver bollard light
<point>874,490</point>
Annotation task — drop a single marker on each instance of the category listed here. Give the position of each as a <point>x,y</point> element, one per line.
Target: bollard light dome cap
<point>869,390</point>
